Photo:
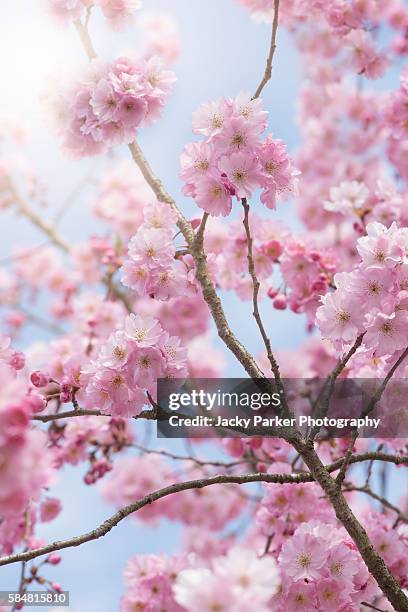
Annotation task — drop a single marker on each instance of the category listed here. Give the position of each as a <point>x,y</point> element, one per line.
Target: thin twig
<point>255,306</point>
<point>46,418</point>
<point>368,605</point>
<point>378,394</point>
<point>85,38</point>
<point>322,403</point>
<point>267,545</point>
<point>37,220</point>
<point>370,467</point>
<point>387,504</point>
<point>346,462</point>
<point>268,70</point>
<point>199,462</point>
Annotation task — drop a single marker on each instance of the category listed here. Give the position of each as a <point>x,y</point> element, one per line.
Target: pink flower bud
<point>54,559</point>
<point>295,306</point>
<point>89,479</point>
<point>195,223</point>
<point>272,292</point>
<point>358,228</point>
<point>56,587</point>
<point>39,379</point>
<point>36,402</point>
<point>280,302</point>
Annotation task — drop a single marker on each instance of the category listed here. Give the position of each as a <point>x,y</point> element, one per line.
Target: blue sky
<point>223,52</point>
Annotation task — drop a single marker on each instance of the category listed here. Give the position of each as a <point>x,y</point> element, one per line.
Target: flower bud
<point>36,402</point>
<point>39,379</point>
<point>195,223</point>
<point>280,302</point>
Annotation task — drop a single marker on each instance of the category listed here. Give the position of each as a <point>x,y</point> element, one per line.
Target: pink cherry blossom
<point>387,333</point>
<point>340,318</point>
<point>212,195</point>
<point>50,509</point>
<point>144,331</point>
<point>242,171</point>
<point>347,197</point>
<point>303,556</point>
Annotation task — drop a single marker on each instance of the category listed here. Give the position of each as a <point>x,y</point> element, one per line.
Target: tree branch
<point>374,562</point>
<point>116,518</point>
<point>268,70</point>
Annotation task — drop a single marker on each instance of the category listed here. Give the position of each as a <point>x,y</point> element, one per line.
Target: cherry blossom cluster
<point>109,103</point>
<point>285,507</point>
<point>149,582</point>
<point>322,573</point>
<point>232,581</point>
<point>349,186</point>
<point>236,581</point>
<point>309,573</point>
<point>110,361</point>
<point>92,439</point>
<point>372,299</point>
<point>350,25</point>
<point>27,464</point>
<point>232,160</point>
<point>118,13</point>
<point>129,364</point>
<point>152,268</point>
<point>306,271</point>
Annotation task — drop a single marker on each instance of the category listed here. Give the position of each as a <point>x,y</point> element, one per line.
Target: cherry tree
<point>135,305</point>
